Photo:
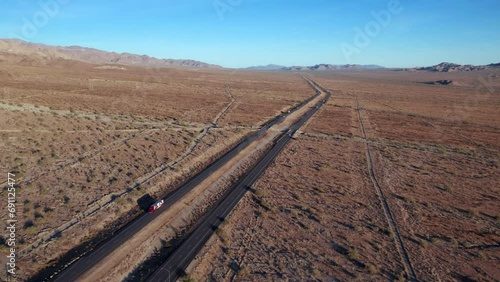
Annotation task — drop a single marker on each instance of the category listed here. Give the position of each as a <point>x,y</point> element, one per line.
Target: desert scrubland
<point>316,213</point>
<point>85,141</point>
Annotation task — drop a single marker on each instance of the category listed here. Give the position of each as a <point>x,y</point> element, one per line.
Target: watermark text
<point>11,223</point>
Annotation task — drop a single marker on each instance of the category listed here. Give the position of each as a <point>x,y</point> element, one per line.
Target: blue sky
<point>239,33</point>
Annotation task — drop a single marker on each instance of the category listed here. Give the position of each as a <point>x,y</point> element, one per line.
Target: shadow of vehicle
<point>145,202</point>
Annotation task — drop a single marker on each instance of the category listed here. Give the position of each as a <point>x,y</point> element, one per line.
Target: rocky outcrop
<point>439,82</point>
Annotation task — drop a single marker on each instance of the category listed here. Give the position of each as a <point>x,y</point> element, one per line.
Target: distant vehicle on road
<point>156,206</point>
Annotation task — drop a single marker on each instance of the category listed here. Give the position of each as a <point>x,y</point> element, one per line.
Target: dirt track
<point>405,259</point>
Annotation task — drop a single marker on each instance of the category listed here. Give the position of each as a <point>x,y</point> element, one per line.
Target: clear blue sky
<point>256,32</point>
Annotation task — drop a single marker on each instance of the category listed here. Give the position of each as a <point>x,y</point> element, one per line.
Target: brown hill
<point>449,67</point>
<point>27,53</point>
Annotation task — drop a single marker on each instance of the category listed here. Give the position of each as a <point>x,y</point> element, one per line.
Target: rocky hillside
<point>449,67</point>
<point>33,53</point>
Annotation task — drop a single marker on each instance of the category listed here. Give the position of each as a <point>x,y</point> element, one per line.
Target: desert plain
<point>316,215</point>
<point>388,152</point>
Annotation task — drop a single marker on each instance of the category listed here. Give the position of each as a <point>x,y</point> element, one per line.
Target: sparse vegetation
<point>353,254</point>
<point>243,273</point>
<point>221,233</point>
<point>423,242</point>
<point>187,278</point>
<point>28,223</point>
<point>371,269</point>
<point>474,212</point>
<point>265,204</point>
<point>66,199</point>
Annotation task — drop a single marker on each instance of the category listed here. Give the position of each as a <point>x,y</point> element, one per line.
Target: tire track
<point>207,129</point>
<point>405,259</point>
<point>224,111</point>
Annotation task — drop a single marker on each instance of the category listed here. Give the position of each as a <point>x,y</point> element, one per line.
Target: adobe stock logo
<point>48,10</point>
<point>224,6</point>
<point>372,29</point>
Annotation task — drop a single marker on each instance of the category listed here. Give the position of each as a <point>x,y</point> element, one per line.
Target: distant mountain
<point>33,53</point>
<point>497,65</point>
<point>324,67</point>
<point>450,67</point>
<point>270,67</point>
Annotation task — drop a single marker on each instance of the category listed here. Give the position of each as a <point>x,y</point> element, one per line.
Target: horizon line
<point>245,67</point>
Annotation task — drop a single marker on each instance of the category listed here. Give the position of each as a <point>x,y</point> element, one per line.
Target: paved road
<point>83,264</point>
<point>175,265</point>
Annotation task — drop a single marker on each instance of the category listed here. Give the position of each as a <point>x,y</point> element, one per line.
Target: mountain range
<point>322,67</point>
<point>16,51</point>
<point>270,67</point>
<point>319,67</point>
<point>450,67</point>
<point>34,53</point>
